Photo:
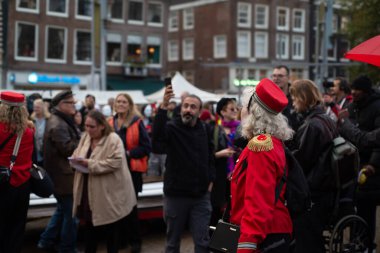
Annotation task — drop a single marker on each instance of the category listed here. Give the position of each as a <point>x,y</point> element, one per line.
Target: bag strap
<point>6,141</point>
<point>15,152</point>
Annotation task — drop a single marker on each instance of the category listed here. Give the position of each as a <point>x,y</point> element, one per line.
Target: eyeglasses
<point>279,76</point>
<point>69,102</point>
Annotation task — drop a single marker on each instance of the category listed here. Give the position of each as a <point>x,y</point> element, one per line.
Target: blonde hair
<point>45,111</point>
<point>306,92</point>
<point>15,118</point>
<point>259,121</point>
<point>133,111</point>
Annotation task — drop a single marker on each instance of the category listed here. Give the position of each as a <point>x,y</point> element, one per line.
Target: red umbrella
<point>368,51</point>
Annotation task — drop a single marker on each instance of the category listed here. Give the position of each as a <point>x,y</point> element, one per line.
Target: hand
<point>370,170</point>
<point>210,186</point>
<point>342,115</point>
<point>167,96</point>
<point>83,162</point>
<point>227,152</point>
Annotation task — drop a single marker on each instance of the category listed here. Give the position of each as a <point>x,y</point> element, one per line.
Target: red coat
<point>20,172</point>
<point>253,194</point>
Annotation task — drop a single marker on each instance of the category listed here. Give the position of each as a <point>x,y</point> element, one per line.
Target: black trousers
<point>93,235</point>
<point>14,203</point>
<point>130,226</point>
<point>276,243</point>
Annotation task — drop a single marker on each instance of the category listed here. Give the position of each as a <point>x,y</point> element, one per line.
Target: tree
<point>364,24</point>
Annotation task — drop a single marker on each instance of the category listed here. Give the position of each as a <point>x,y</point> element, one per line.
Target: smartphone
<point>168,81</point>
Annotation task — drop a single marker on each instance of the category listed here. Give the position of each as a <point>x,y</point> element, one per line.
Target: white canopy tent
<point>180,85</point>
<point>100,96</point>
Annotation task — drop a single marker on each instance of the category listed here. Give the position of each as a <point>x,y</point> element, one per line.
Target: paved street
<point>153,238</point>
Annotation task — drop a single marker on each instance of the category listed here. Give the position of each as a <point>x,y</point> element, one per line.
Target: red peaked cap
<point>12,98</point>
<point>270,97</point>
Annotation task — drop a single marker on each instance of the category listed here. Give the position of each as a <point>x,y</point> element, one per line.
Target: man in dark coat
<point>364,113</point>
<point>189,173</point>
<point>60,140</point>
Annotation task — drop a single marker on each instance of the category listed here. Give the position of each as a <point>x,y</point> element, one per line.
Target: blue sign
<point>35,78</point>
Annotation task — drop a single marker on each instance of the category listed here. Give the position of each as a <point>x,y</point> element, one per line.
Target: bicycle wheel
<point>350,235</point>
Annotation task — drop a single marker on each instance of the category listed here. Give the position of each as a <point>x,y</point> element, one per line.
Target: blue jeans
<point>180,211</point>
<point>61,224</point>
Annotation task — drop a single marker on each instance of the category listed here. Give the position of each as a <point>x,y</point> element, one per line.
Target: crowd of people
<point>208,155</point>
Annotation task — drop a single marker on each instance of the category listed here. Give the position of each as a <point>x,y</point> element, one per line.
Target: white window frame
<point>282,38</point>
<point>248,8</point>
<point>136,22</point>
<point>21,9</point>
<point>171,47</point>
<point>266,13</point>
<point>173,15</point>
<point>21,58</point>
<point>64,60</point>
<point>302,21</point>
<point>116,38</point>
<point>265,51</point>
<point>158,43</point>
<point>249,46</point>
<point>80,62</point>
<point>300,40</point>
<point>286,26</point>
<point>187,56</point>
<point>162,15</point>
<point>220,46</point>
<point>118,20</point>
<point>78,16</point>
<point>57,14</point>
<point>188,14</point>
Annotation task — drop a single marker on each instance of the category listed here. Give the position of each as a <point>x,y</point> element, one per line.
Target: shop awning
<point>146,85</point>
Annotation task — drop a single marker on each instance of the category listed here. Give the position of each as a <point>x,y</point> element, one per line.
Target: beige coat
<point>110,189</point>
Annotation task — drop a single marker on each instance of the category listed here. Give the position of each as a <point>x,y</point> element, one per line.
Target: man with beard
<point>189,173</point>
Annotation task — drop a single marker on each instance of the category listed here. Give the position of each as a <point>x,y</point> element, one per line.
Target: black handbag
<point>6,172</point>
<point>226,235</point>
<point>40,182</point>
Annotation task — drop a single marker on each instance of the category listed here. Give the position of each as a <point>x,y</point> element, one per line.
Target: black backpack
<point>297,194</point>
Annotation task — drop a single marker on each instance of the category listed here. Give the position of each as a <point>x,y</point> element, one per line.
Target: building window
<point>263,73</point>
<point>282,46</point>
<point>28,5</point>
<point>298,20</point>
<point>261,45</point>
<point>188,19</point>
<point>282,19</point>
<point>26,36</point>
<point>114,48</point>
<point>134,43</point>
<point>153,50</point>
<point>239,74</point>
<point>155,14</point>
<point>251,74</point>
<point>335,23</point>
<point>83,46</point>
<point>84,8</point>
<point>188,49</point>
<point>173,50</point>
<point>56,41</point>
<point>57,7</point>
<point>298,47</point>
<point>173,21</point>
<point>244,14</point>
<point>135,12</point>
<point>261,17</point>
<point>243,44</point>
<point>117,9</point>
<point>220,46</point>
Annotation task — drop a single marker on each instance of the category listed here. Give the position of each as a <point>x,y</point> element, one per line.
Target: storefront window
<point>26,40</point>
<point>83,47</point>
<point>117,9</point>
<point>56,38</point>
<point>135,11</point>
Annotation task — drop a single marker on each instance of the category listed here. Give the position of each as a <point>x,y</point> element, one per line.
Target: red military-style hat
<point>12,98</point>
<point>270,97</point>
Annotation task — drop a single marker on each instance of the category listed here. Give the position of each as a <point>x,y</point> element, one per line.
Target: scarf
<point>232,125</point>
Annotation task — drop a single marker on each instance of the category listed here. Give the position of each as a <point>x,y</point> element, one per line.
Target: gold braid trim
<point>262,142</point>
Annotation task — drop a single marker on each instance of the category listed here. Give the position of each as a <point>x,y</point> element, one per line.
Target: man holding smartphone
<point>189,174</point>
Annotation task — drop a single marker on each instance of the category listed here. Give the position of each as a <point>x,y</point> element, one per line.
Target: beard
<point>188,119</point>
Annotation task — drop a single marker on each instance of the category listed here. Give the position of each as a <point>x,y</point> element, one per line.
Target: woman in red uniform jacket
<point>264,223</point>
<point>14,198</point>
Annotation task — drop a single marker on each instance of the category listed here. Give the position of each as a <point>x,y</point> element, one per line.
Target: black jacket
<point>311,140</point>
<point>190,156</point>
<point>365,115</point>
